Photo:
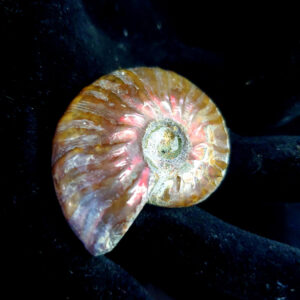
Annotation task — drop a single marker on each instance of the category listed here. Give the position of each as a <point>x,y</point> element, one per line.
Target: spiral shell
<point>131,137</point>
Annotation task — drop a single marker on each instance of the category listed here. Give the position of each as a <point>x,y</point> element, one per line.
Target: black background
<point>246,59</point>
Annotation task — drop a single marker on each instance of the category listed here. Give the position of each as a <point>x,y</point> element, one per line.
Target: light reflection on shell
<point>135,136</point>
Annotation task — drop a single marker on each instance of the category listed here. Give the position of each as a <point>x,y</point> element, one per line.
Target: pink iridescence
<point>132,137</point>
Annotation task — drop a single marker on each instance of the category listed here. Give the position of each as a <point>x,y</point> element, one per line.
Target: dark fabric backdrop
<point>243,242</point>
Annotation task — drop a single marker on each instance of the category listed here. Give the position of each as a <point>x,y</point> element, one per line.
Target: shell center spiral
<point>165,145</point>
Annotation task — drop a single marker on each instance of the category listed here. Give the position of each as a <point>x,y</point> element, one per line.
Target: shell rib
<point>135,136</point>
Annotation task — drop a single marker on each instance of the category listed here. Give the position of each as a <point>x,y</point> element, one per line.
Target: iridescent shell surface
<point>131,137</point>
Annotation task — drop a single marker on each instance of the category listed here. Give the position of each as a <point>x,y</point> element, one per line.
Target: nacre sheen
<point>131,137</point>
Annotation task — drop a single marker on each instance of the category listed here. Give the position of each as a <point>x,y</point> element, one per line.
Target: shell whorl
<point>131,137</point>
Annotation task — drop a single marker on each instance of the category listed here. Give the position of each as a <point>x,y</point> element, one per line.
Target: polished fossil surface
<point>131,137</point>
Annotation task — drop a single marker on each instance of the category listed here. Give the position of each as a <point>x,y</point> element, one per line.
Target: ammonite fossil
<point>131,137</point>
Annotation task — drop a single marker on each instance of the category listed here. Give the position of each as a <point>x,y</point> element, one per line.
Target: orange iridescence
<point>135,136</point>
